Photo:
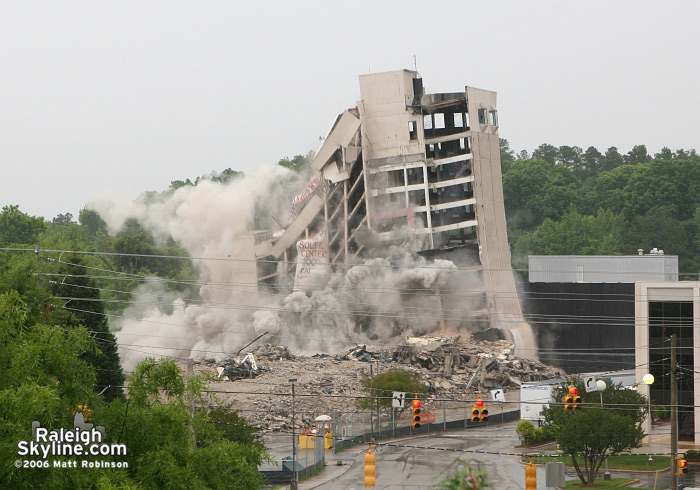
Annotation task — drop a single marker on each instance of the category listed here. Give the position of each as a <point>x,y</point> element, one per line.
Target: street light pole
<point>649,380</point>
<point>294,484</point>
<point>601,385</point>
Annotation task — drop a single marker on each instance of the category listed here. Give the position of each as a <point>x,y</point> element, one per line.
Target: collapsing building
<point>401,162</point>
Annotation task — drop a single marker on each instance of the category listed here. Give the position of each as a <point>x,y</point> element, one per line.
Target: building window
<point>412,133</point>
<point>493,118</point>
<point>459,120</point>
<point>439,120</point>
<point>482,116</point>
<point>427,122</point>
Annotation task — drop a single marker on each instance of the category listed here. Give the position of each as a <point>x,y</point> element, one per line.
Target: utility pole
<point>190,375</point>
<point>674,415</point>
<point>295,480</point>
<point>374,393</point>
<point>37,250</point>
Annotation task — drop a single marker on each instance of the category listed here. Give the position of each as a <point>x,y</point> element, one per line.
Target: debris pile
<point>245,368</point>
<point>449,365</point>
<point>269,352</point>
<point>328,384</point>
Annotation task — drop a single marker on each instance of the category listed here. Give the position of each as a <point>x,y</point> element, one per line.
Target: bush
<point>526,431</point>
<point>529,434</point>
<point>662,412</point>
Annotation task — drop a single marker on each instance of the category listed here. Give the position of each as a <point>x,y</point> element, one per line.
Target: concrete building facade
<point>401,162</point>
<point>603,268</point>
<point>661,310</point>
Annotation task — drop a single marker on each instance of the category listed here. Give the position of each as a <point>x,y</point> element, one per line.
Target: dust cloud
<point>394,294</point>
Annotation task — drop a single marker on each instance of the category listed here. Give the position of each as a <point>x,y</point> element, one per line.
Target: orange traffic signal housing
<point>415,414</point>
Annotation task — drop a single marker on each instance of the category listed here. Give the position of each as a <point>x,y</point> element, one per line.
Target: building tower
<point>404,159</point>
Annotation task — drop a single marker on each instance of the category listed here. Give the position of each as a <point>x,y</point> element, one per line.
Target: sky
<point>114,98</point>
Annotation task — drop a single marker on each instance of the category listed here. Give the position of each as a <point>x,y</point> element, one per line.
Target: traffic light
<point>682,467</point>
<point>415,416</point>
<point>577,401</point>
<point>530,477</point>
<point>572,400</point>
<point>484,412</point>
<point>475,414</point>
<point>370,468</point>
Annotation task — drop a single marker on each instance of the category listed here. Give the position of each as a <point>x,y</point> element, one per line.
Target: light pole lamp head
<point>601,385</point>
<point>648,379</point>
<point>292,381</point>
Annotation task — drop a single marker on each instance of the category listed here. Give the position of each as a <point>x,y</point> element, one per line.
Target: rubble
<point>328,384</point>
<point>269,352</point>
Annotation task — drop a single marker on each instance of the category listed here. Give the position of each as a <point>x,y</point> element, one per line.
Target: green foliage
<point>154,380</point>
<point>464,477</point>
<point>568,201</point>
<point>298,164</point>
<point>529,434</point>
<point>526,431</point>
<point>380,387</point>
<point>45,379</point>
<point>662,412</point>
<point>233,427</point>
<point>18,228</point>
<point>592,433</point>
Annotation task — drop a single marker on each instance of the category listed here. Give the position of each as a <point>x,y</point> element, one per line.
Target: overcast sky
<point>118,97</point>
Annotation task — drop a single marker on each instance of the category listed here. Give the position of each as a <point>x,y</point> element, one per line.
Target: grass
<point>630,462</point>
<point>600,483</point>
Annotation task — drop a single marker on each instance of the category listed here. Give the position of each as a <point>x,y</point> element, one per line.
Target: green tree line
<point>566,201</point>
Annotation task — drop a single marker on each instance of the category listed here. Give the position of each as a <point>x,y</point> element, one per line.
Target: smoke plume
<point>394,294</point>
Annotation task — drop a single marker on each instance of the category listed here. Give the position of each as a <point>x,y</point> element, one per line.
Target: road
<point>406,464</point>
<point>400,466</point>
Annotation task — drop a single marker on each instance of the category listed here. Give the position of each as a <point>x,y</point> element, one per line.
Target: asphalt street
<point>408,464</point>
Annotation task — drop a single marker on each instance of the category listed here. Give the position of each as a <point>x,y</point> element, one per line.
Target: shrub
<point>662,412</point>
<point>526,431</point>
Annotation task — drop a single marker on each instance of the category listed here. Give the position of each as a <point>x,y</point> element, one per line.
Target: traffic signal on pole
<point>370,469</point>
<point>483,411</point>
<point>572,400</point>
<point>577,401</point>
<point>568,403</point>
<point>682,467</point>
<point>415,414</point>
<point>475,414</point>
<point>530,477</point>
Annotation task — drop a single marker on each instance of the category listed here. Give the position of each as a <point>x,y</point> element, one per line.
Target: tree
<point>592,161</point>
<point>534,190</point>
<point>571,157</point>
<point>297,164</point>
<point>92,220</point>
<point>546,153</point>
<point>381,387</point>
<point>62,219</point>
<point>169,446</point>
<point>612,159</point>
<point>18,228</point>
<point>45,380</point>
<point>507,155</point>
<point>592,433</point>
<point>636,155</point>
<point>86,310</point>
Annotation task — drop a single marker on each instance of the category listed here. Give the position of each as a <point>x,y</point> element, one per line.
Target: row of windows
<point>441,124</point>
